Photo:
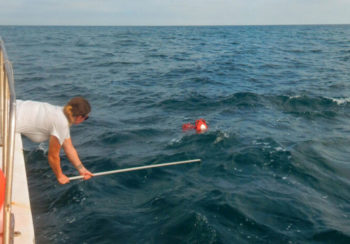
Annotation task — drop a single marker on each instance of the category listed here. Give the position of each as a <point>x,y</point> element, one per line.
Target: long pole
<point>137,168</point>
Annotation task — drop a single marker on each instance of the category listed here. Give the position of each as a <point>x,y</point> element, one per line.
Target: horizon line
<point>185,25</point>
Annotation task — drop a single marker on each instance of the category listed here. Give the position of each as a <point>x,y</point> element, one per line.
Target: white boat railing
<point>7,139</point>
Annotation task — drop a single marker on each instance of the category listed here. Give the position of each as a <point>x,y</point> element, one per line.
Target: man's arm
<point>55,161</point>
<point>73,157</point>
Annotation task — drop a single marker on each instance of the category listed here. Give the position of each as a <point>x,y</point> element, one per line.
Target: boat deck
<point>24,230</point>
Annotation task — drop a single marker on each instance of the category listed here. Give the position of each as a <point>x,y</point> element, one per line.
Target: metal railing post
<point>8,127</point>
<point>5,125</point>
<point>2,78</point>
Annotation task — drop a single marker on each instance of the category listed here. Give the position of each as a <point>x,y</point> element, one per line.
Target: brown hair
<point>77,106</point>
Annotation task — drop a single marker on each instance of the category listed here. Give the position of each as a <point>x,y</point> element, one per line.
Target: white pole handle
<point>137,168</point>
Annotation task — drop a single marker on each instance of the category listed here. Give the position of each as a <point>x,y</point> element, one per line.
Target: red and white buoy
<point>200,126</point>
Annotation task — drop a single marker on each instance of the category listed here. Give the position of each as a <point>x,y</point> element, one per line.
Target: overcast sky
<point>173,12</point>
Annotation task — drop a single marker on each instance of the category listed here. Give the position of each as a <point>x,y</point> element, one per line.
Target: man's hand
<point>86,173</point>
<point>62,179</point>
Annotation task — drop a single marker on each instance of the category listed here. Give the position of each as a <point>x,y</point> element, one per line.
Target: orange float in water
<point>200,126</point>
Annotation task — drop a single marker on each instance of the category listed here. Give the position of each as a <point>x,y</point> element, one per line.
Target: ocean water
<point>275,161</point>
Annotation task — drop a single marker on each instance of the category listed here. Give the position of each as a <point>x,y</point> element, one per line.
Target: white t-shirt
<point>38,121</point>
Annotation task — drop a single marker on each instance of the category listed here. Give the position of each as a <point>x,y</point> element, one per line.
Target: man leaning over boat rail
<point>41,121</point>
